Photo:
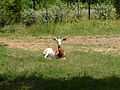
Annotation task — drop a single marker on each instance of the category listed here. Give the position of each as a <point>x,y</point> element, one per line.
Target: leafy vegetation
<point>105,11</point>
<point>117,6</point>
<point>13,11</point>
<point>10,12</point>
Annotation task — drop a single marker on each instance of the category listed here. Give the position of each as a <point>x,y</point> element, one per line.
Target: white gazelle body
<point>59,53</point>
<point>48,52</point>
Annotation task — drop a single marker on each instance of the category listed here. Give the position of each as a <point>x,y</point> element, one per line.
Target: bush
<point>9,11</point>
<point>28,17</point>
<point>117,7</point>
<point>104,11</point>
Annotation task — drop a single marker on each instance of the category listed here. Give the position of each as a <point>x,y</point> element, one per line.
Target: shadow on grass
<point>75,83</point>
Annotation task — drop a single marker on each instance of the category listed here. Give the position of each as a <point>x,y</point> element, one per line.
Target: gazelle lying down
<point>59,53</point>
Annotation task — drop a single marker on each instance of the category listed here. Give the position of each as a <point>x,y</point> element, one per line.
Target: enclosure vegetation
<point>52,11</point>
<point>43,15</point>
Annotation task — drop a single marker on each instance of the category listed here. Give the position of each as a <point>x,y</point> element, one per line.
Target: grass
<point>84,28</point>
<point>28,70</point>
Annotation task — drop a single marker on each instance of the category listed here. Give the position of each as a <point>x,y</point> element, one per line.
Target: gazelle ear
<point>64,39</point>
<point>55,38</point>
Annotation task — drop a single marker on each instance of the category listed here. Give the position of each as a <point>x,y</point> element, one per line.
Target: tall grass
<point>85,28</point>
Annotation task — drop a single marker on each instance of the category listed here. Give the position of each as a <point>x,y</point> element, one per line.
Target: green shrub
<point>28,17</point>
<point>10,11</point>
<point>117,7</point>
<point>104,11</point>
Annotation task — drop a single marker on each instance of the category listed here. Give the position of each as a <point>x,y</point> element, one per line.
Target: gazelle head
<point>59,40</point>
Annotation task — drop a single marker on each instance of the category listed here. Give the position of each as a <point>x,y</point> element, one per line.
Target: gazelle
<point>59,53</point>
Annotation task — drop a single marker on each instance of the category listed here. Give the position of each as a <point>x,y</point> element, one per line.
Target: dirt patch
<point>106,44</point>
<point>32,44</point>
<point>111,41</point>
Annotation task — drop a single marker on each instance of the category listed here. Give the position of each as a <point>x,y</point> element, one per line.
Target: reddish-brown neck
<point>60,52</point>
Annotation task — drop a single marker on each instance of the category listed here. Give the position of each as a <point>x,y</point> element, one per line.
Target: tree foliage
<point>10,11</point>
<point>117,7</point>
<point>13,11</point>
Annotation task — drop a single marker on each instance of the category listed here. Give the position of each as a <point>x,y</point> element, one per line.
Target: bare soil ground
<point>98,44</point>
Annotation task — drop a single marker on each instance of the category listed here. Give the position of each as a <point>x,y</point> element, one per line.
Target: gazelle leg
<point>46,55</point>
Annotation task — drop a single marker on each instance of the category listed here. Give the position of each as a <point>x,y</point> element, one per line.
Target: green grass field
<point>28,70</point>
<point>22,69</point>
